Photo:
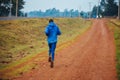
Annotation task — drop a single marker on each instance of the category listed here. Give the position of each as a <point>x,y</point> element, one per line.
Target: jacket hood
<point>52,24</point>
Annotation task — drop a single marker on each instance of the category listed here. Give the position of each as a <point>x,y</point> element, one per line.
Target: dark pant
<point>52,47</point>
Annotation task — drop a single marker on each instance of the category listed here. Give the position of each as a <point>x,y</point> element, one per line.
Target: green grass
<point>20,40</point>
<point>115,27</point>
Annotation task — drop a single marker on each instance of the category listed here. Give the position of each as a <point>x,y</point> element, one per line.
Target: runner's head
<point>51,20</point>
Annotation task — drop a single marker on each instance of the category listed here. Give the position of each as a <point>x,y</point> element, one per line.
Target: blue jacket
<point>52,31</point>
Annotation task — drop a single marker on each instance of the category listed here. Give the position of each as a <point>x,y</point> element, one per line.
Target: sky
<point>81,5</point>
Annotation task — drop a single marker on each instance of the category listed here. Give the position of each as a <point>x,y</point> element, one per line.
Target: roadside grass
<point>115,27</point>
<point>24,39</point>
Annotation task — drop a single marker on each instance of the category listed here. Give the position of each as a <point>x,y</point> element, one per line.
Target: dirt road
<point>91,57</point>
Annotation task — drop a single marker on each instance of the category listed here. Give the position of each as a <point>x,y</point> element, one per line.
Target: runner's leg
<point>53,47</point>
<point>50,51</point>
<point>50,48</point>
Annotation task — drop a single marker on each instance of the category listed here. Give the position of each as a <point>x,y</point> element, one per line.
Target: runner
<point>52,31</point>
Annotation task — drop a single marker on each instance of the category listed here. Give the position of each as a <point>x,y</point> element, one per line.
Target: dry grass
<point>22,39</point>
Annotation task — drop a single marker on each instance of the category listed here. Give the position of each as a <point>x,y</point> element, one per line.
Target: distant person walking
<point>52,31</point>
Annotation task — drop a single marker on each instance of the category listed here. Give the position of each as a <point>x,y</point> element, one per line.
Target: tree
<point>71,12</point>
<point>5,7</point>
<point>111,8</point>
<point>94,12</point>
<point>102,7</point>
<point>76,13</point>
<point>83,14</point>
<point>20,6</point>
<point>65,13</point>
<point>106,8</point>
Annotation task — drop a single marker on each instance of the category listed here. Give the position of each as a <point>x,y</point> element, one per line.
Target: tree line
<point>55,13</point>
<point>105,8</point>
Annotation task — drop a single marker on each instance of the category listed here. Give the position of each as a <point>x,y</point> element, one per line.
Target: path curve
<point>91,57</point>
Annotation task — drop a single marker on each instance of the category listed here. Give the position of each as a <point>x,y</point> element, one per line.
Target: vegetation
<point>111,8</point>
<point>5,7</point>
<point>106,8</point>
<point>23,40</point>
<point>54,13</point>
<point>115,27</point>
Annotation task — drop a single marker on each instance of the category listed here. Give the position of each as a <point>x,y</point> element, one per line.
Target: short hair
<point>51,20</point>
